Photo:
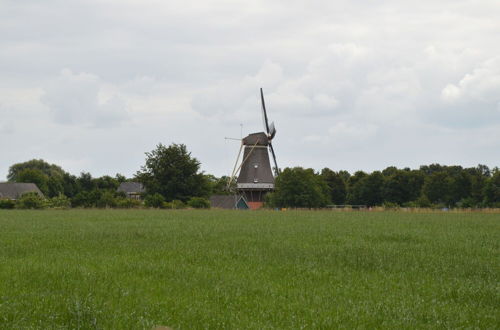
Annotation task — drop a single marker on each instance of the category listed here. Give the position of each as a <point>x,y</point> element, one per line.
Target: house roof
<point>227,201</point>
<point>14,190</point>
<point>131,187</point>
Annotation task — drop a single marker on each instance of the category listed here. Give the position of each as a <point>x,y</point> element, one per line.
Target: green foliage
<point>174,205</point>
<point>337,188</point>
<point>154,200</point>
<point>390,206</point>
<point>29,175</point>
<point>492,190</point>
<point>401,186</point>
<point>49,170</point>
<point>367,190</point>
<point>423,201</point>
<point>128,203</point>
<point>50,178</point>
<point>60,201</point>
<point>106,199</point>
<point>31,201</point>
<point>299,187</point>
<point>198,203</point>
<point>218,186</point>
<point>7,204</point>
<point>173,173</point>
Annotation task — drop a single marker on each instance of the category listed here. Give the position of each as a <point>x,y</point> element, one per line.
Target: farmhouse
<point>229,202</point>
<point>14,190</point>
<point>133,190</point>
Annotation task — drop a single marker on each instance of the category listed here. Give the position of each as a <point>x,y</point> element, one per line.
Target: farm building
<point>133,190</point>
<point>14,190</point>
<point>228,202</point>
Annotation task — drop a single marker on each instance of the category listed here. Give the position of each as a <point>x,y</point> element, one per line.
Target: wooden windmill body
<point>256,177</point>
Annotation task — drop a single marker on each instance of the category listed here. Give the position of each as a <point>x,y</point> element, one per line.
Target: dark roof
<point>14,190</point>
<point>259,139</point>
<point>131,187</point>
<point>227,201</point>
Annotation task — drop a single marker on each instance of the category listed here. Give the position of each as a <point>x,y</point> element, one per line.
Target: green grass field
<point>113,269</point>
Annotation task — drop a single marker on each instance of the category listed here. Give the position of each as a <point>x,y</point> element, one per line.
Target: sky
<point>351,85</point>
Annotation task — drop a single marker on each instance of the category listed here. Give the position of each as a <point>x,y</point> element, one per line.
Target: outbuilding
<point>133,190</point>
<point>14,190</point>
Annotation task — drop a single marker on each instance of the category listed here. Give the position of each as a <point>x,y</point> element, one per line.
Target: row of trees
<point>433,185</point>
<point>172,178</point>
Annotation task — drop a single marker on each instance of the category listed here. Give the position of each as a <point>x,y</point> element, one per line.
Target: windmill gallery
<point>255,177</point>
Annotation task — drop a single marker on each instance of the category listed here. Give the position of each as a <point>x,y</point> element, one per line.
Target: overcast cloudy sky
<point>92,85</point>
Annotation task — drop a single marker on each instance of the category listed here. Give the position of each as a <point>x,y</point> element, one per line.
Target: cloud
<point>78,99</point>
<point>349,84</point>
<point>481,85</point>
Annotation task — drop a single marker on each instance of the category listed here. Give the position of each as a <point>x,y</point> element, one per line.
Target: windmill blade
<point>277,169</point>
<point>264,113</point>
<point>272,131</point>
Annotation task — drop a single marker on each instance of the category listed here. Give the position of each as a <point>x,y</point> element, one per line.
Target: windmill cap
<point>260,139</point>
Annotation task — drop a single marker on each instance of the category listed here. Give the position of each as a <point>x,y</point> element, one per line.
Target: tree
<point>299,187</point>
<point>402,186</point>
<point>173,173</point>
<point>336,186</point>
<point>48,177</point>
<point>218,186</point>
<point>492,190</point>
<point>35,176</point>
<point>437,187</point>
<point>368,190</point>
<point>35,164</point>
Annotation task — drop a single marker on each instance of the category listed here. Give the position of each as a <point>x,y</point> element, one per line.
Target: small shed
<point>14,190</point>
<point>133,190</point>
<point>230,202</point>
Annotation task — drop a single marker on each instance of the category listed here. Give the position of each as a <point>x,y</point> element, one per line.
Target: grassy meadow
<point>136,269</point>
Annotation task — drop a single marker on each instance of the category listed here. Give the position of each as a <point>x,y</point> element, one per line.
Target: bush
<point>7,204</point>
<point>391,206</point>
<point>423,201</point>
<point>175,204</point>
<point>31,201</point>
<point>107,199</point>
<point>199,203</point>
<point>128,203</point>
<point>60,201</point>
<point>155,200</point>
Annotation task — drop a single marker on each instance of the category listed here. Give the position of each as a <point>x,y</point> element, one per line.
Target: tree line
<point>432,185</point>
<point>172,178</point>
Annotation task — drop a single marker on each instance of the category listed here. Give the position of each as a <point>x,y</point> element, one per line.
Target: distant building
<point>133,190</point>
<point>14,190</point>
<point>230,202</point>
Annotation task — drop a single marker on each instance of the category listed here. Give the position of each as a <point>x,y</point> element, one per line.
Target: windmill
<point>256,178</point>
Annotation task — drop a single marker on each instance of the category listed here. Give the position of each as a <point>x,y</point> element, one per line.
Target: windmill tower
<point>256,177</point>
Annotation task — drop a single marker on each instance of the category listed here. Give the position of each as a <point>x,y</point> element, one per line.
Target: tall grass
<point>111,269</point>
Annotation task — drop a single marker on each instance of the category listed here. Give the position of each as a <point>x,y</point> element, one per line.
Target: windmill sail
<point>256,177</point>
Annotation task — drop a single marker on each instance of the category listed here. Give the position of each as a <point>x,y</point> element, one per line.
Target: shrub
<point>60,201</point>
<point>31,201</point>
<point>391,206</point>
<point>155,200</point>
<point>128,203</point>
<point>175,204</point>
<point>423,201</point>
<point>199,203</point>
<point>7,204</point>
<point>107,199</point>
